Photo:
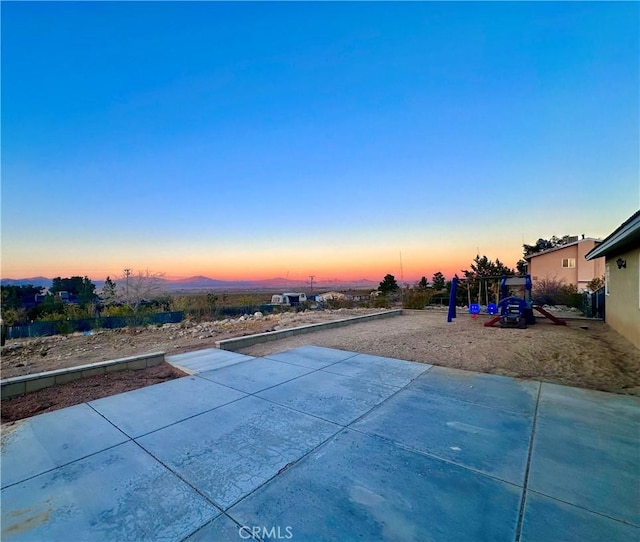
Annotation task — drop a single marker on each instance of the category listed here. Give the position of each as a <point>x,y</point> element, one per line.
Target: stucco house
<point>567,263</point>
<point>621,252</point>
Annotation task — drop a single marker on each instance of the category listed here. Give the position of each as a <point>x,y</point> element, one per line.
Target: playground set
<point>508,310</point>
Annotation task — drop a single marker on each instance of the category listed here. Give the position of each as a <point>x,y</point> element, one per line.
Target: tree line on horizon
<point>483,277</point>
<point>129,292</point>
<point>76,298</point>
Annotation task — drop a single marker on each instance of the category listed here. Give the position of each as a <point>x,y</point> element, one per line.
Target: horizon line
<point>180,278</point>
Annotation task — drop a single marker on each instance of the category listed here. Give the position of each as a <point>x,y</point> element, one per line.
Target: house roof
<point>561,247</point>
<point>625,237</point>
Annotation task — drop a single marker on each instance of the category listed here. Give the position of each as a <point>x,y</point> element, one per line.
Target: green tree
<point>545,244</point>
<point>50,305</point>
<point>438,281</point>
<point>388,285</point>
<point>15,297</point>
<point>11,317</point>
<point>108,293</point>
<point>423,284</point>
<point>79,287</point>
<point>86,292</point>
<point>481,267</point>
<point>522,267</point>
<point>540,246</point>
<point>70,284</point>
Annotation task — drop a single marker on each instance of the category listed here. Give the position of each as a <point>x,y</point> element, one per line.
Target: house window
<point>568,262</point>
<point>607,275</point>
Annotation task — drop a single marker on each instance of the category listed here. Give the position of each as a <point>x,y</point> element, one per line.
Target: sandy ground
<point>585,353</point>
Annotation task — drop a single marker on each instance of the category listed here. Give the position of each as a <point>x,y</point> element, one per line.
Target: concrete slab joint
<point>321,444</point>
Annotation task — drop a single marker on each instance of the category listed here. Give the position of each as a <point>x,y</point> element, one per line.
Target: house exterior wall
<point>549,265</point>
<point>622,303</point>
<point>588,269</point>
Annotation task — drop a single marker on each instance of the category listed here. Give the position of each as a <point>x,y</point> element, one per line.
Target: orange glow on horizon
<point>346,263</point>
<point>325,275</point>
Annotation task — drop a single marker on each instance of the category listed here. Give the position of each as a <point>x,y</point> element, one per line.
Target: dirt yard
<point>585,353</point>
<point>28,356</point>
<point>82,391</point>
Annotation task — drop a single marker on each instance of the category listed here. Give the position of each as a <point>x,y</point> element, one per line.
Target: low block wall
<point>18,385</point>
<point>238,343</point>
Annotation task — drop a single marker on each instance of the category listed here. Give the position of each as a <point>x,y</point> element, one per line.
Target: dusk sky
<point>255,140</point>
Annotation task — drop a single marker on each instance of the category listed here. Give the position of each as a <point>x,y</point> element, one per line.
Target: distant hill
<point>200,282</point>
<point>205,283</point>
<point>33,281</point>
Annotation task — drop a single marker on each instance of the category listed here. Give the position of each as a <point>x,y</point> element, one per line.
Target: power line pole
<point>401,281</point>
<point>127,274</point>
<point>312,277</point>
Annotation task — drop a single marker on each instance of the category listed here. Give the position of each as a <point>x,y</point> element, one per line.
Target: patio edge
<point>238,343</point>
<point>10,387</point>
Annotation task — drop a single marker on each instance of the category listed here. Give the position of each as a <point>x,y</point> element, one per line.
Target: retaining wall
<point>18,385</point>
<point>238,343</point>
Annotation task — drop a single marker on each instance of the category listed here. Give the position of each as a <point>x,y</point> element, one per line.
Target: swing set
<point>508,310</point>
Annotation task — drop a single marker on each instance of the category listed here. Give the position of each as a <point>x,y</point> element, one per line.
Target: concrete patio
<point>321,444</point>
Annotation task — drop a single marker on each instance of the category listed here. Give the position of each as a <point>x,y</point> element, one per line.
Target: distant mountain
<point>198,278</point>
<point>200,282</point>
<point>360,283</point>
<point>281,283</point>
<point>33,281</point>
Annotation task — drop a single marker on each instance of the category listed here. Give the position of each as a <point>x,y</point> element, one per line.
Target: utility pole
<point>401,281</point>
<point>312,277</point>
<point>127,274</point>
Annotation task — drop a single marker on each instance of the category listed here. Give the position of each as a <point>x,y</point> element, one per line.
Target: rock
<point>258,315</point>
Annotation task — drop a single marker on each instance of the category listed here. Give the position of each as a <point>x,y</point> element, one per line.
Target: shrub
<point>547,291</point>
<point>14,316</point>
<point>416,299</point>
<point>118,310</point>
<point>596,283</point>
<point>342,303</point>
<point>570,296</point>
<point>553,291</point>
<point>382,302</point>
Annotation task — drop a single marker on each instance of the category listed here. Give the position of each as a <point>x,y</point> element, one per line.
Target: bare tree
<point>132,289</point>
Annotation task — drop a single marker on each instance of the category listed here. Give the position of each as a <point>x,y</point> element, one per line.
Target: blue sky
<point>253,140</point>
